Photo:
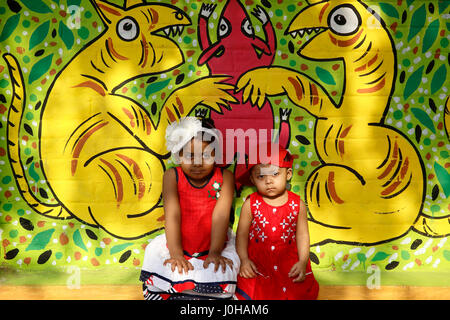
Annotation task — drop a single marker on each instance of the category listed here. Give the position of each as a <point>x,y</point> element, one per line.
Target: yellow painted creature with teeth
<point>101,153</point>
<point>370,187</point>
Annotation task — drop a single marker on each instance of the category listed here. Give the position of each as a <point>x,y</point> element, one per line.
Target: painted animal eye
<point>247,27</point>
<point>224,28</point>
<point>179,15</point>
<point>344,20</point>
<point>127,29</point>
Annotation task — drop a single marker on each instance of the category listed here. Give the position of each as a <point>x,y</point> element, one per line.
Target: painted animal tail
<point>13,127</point>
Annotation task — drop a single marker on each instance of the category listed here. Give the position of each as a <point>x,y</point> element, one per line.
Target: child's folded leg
<point>160,280</point>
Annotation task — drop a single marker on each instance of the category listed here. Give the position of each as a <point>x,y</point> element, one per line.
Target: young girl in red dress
<point>272,238</point>
<point>196,257</point>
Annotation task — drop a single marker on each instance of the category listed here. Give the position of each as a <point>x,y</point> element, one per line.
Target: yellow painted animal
<point>370,187</point>
<point>101,154</point>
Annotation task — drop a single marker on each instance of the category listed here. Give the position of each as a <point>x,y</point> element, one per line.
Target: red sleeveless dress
<point>197,205</point>
<point>272,247</point>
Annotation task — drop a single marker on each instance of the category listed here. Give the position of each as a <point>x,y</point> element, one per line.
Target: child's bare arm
<point>248,268</point>
<point>302,238</point>
<point>220,220</point>
<point>172,216</point>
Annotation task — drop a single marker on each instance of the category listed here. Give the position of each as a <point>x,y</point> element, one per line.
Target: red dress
<point>196,206</point>
<point>273,249</point>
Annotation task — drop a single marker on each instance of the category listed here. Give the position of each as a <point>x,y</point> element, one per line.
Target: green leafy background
<point>38,250</point>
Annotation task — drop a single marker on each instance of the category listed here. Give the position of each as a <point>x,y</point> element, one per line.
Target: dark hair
<point>208,123</point>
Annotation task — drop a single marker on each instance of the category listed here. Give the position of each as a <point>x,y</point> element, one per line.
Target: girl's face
<point>197,159</point>
<point>270,180</point>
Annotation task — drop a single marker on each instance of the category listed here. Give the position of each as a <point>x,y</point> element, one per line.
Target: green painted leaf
<point>443,177</point>
<point>405,255</point>
<point>325,76</point>
<point>155,87</point>
<point>66,35</point>
<point>78,240</point>
<point>119,247</point>
<point>10,26</point>
<point>380,256</point>
<point>39,68</point>
<point>33,173</point>
<point>73,3</point>
<point>413,83</point>
<point>447,254</point>
<point>37,6</point>
<point>408,2</point>
<point>424,118</point>
<point>4,83</point>
<point>430,35</point>
<point>361,257</point>
<point>439,77</point>
<point>40,240</point>
<point>417,22</point>
<point>39,34</point>
<point>389,9</point>
<point>443,5</point>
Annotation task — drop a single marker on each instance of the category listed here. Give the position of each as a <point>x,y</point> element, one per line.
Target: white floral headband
<point>178,134</point>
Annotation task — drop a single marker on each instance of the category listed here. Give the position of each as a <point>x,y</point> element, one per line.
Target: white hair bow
<point>180,133</point>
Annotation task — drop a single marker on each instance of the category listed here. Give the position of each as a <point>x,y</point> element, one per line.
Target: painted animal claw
<point>260,14</point>
<point>242,82</point>
<point>247,93</point>
<point>261,100</point>
<point>206,10</point>
<point>201,113</point>
<point>219,93</point>
<point>285,113</point>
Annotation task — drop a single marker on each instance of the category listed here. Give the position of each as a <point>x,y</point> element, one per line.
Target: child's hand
<point>248,269</point>
<point>181,263</point>
<point>218,260</point>
<point>298,271</point>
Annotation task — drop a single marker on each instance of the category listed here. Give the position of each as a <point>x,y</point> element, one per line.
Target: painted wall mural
<point>357,90</point>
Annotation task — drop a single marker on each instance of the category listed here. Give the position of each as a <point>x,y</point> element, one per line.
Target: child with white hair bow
<point>196,257</point>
